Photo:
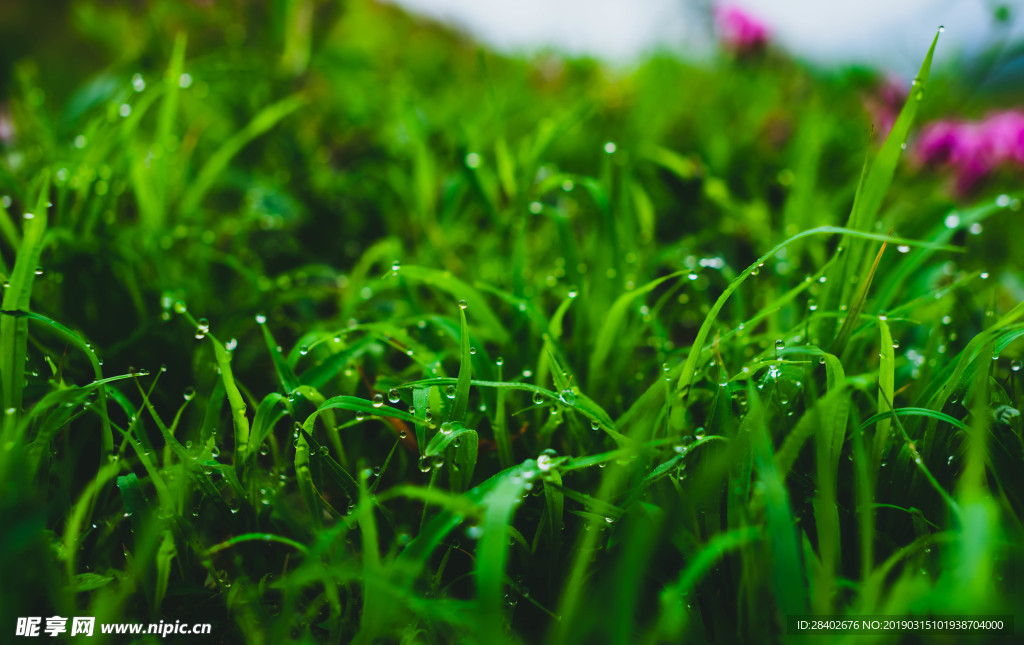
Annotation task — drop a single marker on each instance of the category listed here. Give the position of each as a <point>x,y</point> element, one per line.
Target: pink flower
<point>738,29</point>
<point>973,149</point>
<point>1005,135</point>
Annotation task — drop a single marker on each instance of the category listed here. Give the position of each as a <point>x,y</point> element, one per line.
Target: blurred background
<point>889,35</point>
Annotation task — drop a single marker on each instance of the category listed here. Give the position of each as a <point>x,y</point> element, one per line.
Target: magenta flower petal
<point>738,29</point>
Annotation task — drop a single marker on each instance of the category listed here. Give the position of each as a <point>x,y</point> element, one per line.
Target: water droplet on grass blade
<point>463,304</point>
<point>544,461</point>
<point>378,400</point>
<point>538,398</point>
<point>189,393</point>
<point>393,395</point>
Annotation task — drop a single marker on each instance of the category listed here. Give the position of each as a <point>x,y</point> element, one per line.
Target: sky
<point>889,34</point>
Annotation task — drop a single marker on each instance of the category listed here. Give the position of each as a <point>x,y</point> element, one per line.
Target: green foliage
<point>718,358</point>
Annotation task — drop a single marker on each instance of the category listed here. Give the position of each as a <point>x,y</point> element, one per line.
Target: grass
<point>319,339</point>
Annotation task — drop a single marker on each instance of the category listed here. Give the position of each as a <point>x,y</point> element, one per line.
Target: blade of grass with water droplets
<point>421,402</point>
<point>583,404</point>
<point>77,341</point>
<point>440,441</point>
<point>458,410</point>
<point>877,178</point>
<point>416,554</point>
<point>689,369</point>
<point>269,411</point>
<point>320,374</point>
<point>338,473</point>
<point>357,404</point>
<point>886,388</point>
<point>304,478</point>
<point>500,426</point>
<point>17,297</point>
<point>488,325</point>
<point>235,400</point>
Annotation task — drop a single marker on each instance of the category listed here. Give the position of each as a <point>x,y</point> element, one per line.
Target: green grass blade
<point>264,120</point>
<point>17,295</point>
<point>610,329</point>
<point>458,410</point>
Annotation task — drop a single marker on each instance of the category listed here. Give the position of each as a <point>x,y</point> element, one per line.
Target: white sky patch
<point>890,34</point>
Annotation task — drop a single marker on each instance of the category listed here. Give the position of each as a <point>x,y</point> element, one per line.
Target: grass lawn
<point>323,324</point>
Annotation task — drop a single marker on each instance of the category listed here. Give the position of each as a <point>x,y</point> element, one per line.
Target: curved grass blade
<point>77,341</point>
<point>673,617</point>
<point>490,326</point>
<point>270,410</point>
<point>583,404</point>
<point>256,537</point>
